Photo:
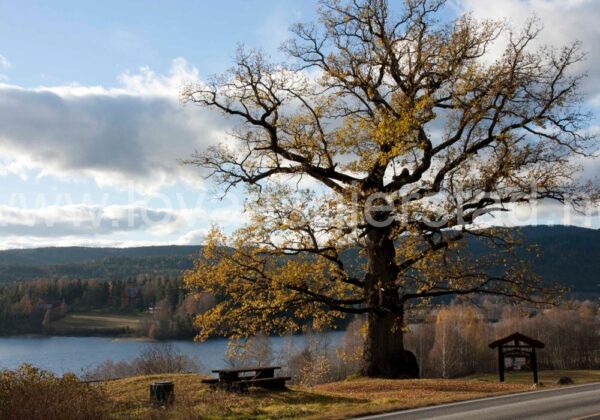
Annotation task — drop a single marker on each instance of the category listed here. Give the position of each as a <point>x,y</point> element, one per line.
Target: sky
<point>92,130</point>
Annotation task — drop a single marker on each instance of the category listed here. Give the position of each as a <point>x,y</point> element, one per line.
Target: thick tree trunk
<point>384,354</point>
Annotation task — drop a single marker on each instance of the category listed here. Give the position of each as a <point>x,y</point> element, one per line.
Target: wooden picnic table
<point>259,372</point>
<point>242,378</point>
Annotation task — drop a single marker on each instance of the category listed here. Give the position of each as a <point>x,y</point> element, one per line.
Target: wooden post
<point>534,366</point>
<point>501,363</point>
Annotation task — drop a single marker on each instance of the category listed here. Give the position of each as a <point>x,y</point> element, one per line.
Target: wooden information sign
<point>517,352</point>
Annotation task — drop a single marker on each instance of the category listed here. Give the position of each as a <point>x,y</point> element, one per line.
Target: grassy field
<point>548,377</point>
<point>97,321</point>
<point>329,401</point>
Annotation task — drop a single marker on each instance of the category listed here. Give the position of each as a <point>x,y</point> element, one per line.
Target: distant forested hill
<point>76,255</point>
<point>570,255</point>
<point>95,263</point>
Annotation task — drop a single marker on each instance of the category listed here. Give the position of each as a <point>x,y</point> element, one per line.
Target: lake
<point>77,354</point>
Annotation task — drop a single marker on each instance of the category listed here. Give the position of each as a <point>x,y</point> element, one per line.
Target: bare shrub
<point>154,359</point>
<point>109,369</point>
<point>350,357</point>
<point>163,358</point>
<point>32,393</point>
<point>312,365</point>
<point>253,351</point>
<point>310,368</point>
<point>317,361</point>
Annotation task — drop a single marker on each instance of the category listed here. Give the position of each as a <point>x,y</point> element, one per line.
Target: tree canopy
<point>392,130</point>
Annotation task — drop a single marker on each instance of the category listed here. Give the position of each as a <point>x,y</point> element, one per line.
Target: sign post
<point>517,352</point>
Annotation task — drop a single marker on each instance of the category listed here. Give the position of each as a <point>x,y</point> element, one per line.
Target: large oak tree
<point>389,130</point>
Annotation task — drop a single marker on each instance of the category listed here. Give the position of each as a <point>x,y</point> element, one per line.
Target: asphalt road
<point>572,402</point>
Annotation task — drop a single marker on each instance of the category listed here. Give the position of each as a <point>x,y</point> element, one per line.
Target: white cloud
<point>4,63</point>
<point>147,83</point>
<point>545,213</point>
<point>135,133</point>
<point>564,21</point>
<point>88,220</point>
<point>175,221</point>
<point>194,237</point>
<point>21,242</point>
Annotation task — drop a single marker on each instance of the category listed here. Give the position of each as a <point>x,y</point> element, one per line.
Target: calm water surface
<point>76,354</point>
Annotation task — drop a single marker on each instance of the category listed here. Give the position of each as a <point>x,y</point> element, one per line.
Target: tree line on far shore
<point>32,307</point>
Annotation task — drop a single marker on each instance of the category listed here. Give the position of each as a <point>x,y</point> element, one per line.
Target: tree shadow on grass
<point>296,397</point>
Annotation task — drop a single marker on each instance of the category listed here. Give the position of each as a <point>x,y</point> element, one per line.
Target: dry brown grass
<point>546,377</point>
<point>336,400</point>
<point>388,395</point>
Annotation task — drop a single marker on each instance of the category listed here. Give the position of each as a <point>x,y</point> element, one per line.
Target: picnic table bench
<point>242,378</point>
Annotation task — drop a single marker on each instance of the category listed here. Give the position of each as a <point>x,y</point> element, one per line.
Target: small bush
<point>109,370</point>
<point>163,358</point>
<point>32,393</point>
<point>564,380</point>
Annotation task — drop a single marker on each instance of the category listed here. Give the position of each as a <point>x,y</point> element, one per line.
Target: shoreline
<point>135,339</point>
